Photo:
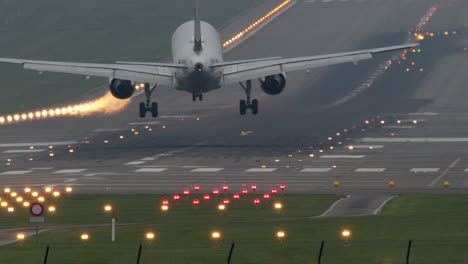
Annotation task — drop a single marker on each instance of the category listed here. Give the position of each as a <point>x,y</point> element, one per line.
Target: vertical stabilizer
<point>197,32</point>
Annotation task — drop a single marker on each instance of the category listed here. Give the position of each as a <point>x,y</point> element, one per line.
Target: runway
<point>312,135</point>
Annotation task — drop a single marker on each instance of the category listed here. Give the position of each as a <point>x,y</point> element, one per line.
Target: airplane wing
<point>242,71</point>
<point>160,74</point>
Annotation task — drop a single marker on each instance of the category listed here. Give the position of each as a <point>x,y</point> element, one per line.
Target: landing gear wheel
<point>243,107</point>
<point>154,110</point>
<point>142,110</point>
<point>254,106</point>
<point>247,104</point>
<point>199,96</point>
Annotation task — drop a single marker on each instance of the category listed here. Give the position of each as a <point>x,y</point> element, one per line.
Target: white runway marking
<point>69,171</point>
<point>13,151</point>
<point>138,162</point>
<point>414,140</point>
<point>148,159</point>
<point>399,127</point>
<point>261,170</point>
<point>370,170</point>
<point>151,170</point>
<point>38,144</point>
<point>366,146</point>
<point>378,210</point>
<point>333,206</point>
<point>424,114</point>
<point>207,170</point>
<point>42,168</point>
<point>425,170</point>
<point>193,167</point>
<point>466,170</point>
<point>70,180</point>
<point>18,172</point>
<point>316,170</point>
<point>144,123</point>
<point>342,156</point>
<point>101,130</point>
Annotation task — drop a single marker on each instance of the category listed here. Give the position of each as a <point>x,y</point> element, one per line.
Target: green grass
<point>435,223</point>
<point>88,31</point>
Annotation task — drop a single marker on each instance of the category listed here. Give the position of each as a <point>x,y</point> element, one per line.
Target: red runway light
<point>282,187</point>
<point>176,197</point>
<point>165,202</point>
<point>256,201</point>
<point>274,191</point>
<point>186,192</point>
<point>236,196</point>
<point>196,188</point>
<point>245,191</point>
<point>266,196</point>
<point>226,201</point>
<point>215,191</point>
<point>206,197</point>
<point>254,187</point>
<point>225,187</point>
<point>196,202</point>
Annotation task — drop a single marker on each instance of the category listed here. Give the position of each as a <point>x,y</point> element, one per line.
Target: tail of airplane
<point>197,32</point>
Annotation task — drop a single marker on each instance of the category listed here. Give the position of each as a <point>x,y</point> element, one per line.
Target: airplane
<point>198,67</point>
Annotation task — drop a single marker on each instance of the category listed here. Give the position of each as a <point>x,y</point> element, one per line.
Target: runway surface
<point>415,134</point>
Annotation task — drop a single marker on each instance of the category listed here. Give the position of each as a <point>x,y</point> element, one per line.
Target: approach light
<point>266,196</point>
<point>107,208</point>
<point>278,206</point>
<point>84,237</point>
<point>215,191</point>
<point>176,197</point>
<point>236,196</point>
<point>253,187</point>
<point>149,236</point>
<point>206,197</point>
<point>225,187</point>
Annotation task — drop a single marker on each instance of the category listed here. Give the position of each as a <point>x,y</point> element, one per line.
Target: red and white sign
<point>36,209</point>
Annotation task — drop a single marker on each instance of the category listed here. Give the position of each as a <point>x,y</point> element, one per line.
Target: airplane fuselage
<point>199,77</point>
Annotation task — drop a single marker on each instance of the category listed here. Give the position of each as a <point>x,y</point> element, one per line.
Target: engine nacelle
<point>121,89</point>
<point>273,84</point>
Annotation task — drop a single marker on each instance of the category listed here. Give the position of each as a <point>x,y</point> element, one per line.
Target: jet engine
<point>273,84</point>
<point>121,89</point>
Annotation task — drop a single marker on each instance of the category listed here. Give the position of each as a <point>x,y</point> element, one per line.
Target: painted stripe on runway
<point>70,180</point>
<point>342,156</point>
<point>399,127</point>
<point>144,123</point>
<point>466,170</point>
<point>261,170</point>
<point>38,144</point>
<point>42,168</point>
<point>425,114</point>
<point>69,171</point>
<point>148,159</point>
<point>13,151</point>
<point>18,172</point>
<point>415,139</point>
<point>366,146</point>
<point>425,170</point>
<point>207,170</point>
<point>370,170</point>
<point>316,170</point>
<point>151,170</point>
<point>379,209</point>
<point>137,162</point>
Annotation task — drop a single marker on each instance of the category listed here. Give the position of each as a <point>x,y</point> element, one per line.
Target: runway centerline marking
<point>38,144</point>
<point>366,146</point>
<point>445,172</point>
<point>69,171</point>
<point>18,172</point>
<point>148,170</point>
<point>207,170</point>
<point>261,170</point>
<point>418,170</point>
<point>137,162</point>
<point>316,170</point>
<point>342,156</point>
<point>370,170</point>
<point>13,151</point>
<point>414,139</point>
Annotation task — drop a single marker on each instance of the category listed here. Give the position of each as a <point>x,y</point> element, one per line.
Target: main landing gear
<point>148,106</point>
<point>247,104</point>
<point>199,96</point>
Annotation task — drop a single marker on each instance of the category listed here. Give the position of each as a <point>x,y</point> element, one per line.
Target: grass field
<point>88,31</point>
<point>436,224</point>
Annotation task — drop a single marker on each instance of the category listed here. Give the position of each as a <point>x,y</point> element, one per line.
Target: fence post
<point>321,252</point>
<point>139,255</point>
<point>408,252</point>
<point>46,256</point>
<point>230,253</point>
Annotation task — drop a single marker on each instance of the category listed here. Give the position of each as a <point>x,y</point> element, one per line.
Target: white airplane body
<point>198,67</point>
